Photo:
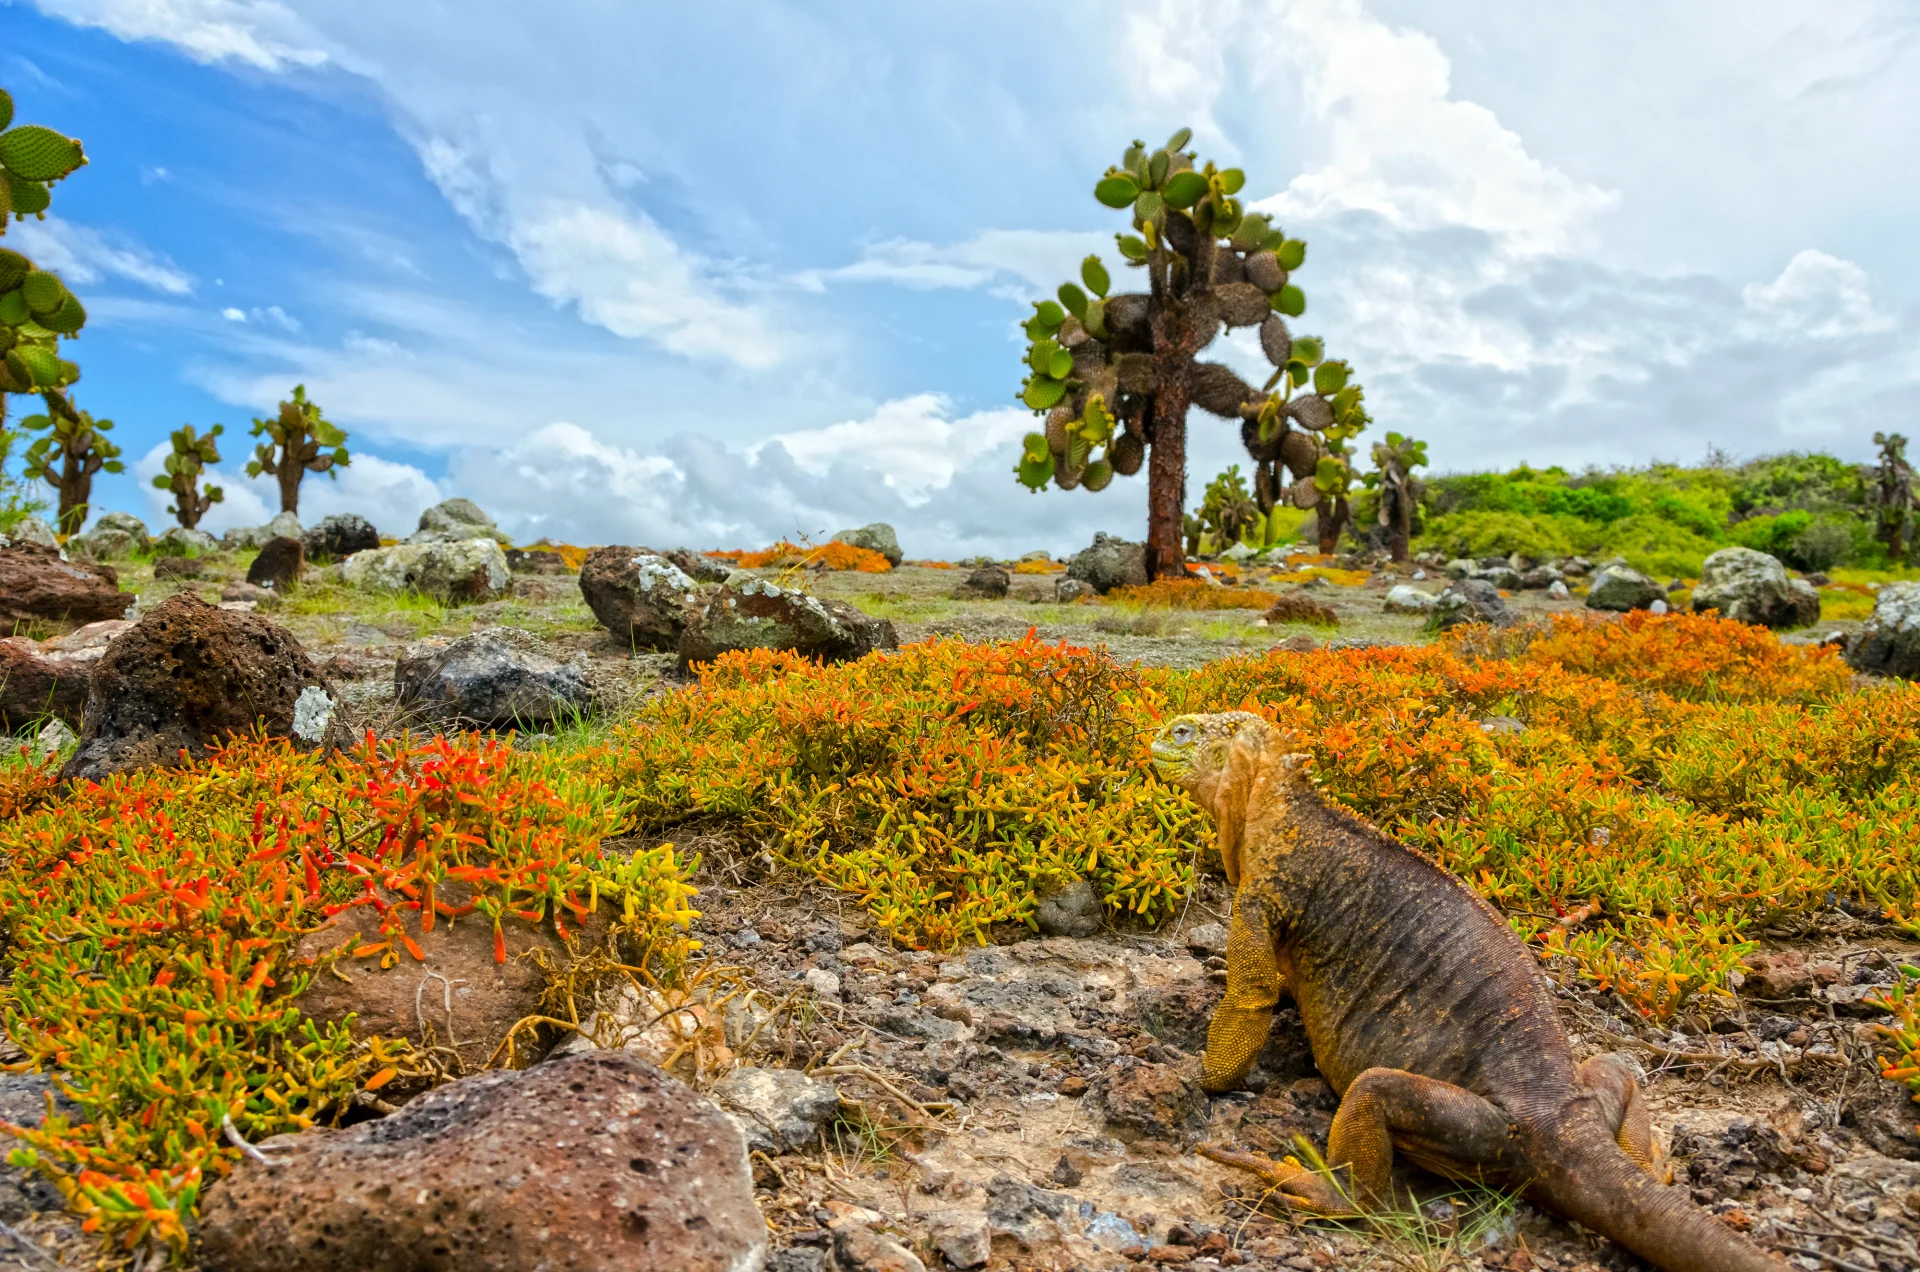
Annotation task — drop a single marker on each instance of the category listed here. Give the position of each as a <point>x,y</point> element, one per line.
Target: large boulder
<point>878,537</point>
<point>592,1163</point>
<point>1110,563</point>
<point>1619,589</point>
<point>285,525</point>
<point>640,596</point>
<point>1754,588</point>
<point>1468,601</point>
<point>114,537</point>
<point>36,584</point>
<point>180,541</point>
<point>189,675</point>
<point>496,677</point>
<point>452,570</point>
<point>757,614</point>
<point>339,536</point>
<point>1889,643</point>
<point>454,519</point>
<point>278,566</point>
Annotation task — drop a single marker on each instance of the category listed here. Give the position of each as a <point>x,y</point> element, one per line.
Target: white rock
<point>450,570</point>
<point>312,711</point>
<point>822,982</point>
<point>1404,598</point>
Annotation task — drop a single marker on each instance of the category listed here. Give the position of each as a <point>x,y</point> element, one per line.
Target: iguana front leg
<point>1240,1023</point>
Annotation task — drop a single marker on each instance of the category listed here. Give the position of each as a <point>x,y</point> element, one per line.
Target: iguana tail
<point>1597,1185</point>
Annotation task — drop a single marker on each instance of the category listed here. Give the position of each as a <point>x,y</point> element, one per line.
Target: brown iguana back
<point>1424,1009</point>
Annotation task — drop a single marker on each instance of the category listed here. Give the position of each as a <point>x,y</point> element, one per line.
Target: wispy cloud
<point>84,255</point>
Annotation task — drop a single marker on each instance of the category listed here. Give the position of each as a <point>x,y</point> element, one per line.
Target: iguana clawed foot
<point>1304,1189</point>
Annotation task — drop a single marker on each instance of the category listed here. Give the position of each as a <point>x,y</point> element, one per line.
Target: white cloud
<point>87,256</point>
<point>261,33</point>
<point>391,495</point>
<point>234,314</point>
<point>1818,295</point>
<point>1035,260</point>
<point>911,442</point>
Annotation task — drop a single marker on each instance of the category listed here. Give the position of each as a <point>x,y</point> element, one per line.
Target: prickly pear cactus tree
<point>1114,374</point>
<point>1227,515</point>
<point>295,439</point>
<point>1893,496</point>
<point>74,447</point>
<point>1392,477</point>
<point>189,458</point>
<point>36,309</point>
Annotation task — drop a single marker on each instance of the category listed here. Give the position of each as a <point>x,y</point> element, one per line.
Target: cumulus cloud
<point>389,494</point>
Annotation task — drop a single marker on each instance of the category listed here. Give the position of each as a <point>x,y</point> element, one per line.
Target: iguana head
<point>1218,757</point>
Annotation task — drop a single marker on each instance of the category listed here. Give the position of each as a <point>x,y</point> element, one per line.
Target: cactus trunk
<point>76,488</point>
<point>1334,513</point>
<point>1167,480</point>
<point>289,477</point>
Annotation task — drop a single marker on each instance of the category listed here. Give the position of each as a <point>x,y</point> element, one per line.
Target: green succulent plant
<point>1400,491</point>
<point>74,447</point>
<point>189,458</point>
<point>1114,375</point>
<point>36,309</point>
<point>296,437</point>
<point>1893,497</point>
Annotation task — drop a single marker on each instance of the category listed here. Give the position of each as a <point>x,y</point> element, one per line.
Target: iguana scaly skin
<point>1425,1011</point>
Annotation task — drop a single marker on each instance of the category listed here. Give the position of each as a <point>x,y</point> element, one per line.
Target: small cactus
<point>1400,491</point>
<point>74,448</point>
<point>1113,375</point>
<point>190,455</point>
<point>295,438</point>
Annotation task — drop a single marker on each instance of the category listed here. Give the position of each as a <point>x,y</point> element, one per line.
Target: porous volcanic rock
<point>1468,601</point>
<point>877,537</point>
<point>36,584</point>
<point>758,614</point>
<point>32,687</point>
<point>457,571</point>
<point>1754,588</point>
<point>1620,589</point>
<point>638,595</point>
<point>278,566</point>
<point>1074,910</point>
<point>593,1163</point>
<point>535,561</point>
<point>495,677</point>
<point>988,583</point>
<point>1110,563</point>
<point>454,519</point>
<point>340,536</point>
<point>701,568</point>
<point>1151,1101</point>
<point>188,675</point>
<point>1889,643</point>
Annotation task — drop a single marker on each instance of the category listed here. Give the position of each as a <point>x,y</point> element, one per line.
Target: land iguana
<point>1425,1011</point>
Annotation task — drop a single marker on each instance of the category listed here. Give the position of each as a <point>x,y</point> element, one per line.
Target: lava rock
<point>1539,578</point>
<point>452,520</point>
<point>1889,643</point>
<point>1208,938</point>
<point>777,1110</point>
<point>1295,606</point>
<point>962,1237</point>
<point>878,537</point>
<point>1754,588</point>
<point>177,567</point>
<point>1619,589</point>
<point>702,568</point>
<point>988,583</point>
<point>1067,590</point>
<point>858,1248</point>
<point>277,568</point>
<point>1074,910</point>
<point>35,584</point>
<point>1151,1101</point>
<point>178,541</point>
<point>536,561</point>
<point>340,536</point>
<point>591,1163</point>
<point>32,687</point>
<point>493,678</point>
<point>1404,598</point>
<point>638,595</point>
<point>23,1103</point>
<point>456,571</point>
<point>758,614</point>
<point>1110,563</point>
<point>188,675</point>
<point>1468,601</point>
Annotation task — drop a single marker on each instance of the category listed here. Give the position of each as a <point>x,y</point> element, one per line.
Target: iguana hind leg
<point>1451,1126</point>
<point>1624,1111</point>
<point>1240,1023</point>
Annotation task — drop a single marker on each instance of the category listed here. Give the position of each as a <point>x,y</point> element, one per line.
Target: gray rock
<point>1557,590</point>
<point>1502,576</point>
<point>1618,588</point>
<point>283,526</point>
<point>1074,910</point>
<point>700,567</point>
<point>53,738</point>
<point>114,537</point>
<point>988,583</point>
<point>23,1102</point>
<point>456,519</point>
<point>962,1237</point>
<point>758,614</point>
<point>878,537</point>
<point>454,570</point>
<point>1753,587</point>
<point>32,530</point>
<point>1038,554</point>
<point>125,523</point>
<point>496,677</point>
<point>1237,552</point>
<point>777,1110</point>
<point>1468,601</point>
<point>1889,643</point>
<point>1404,598</point>
<point>340,536</point>
<point>1539,578</point>
<point>1029,1214</point>
<point>589,1163</point>
<point>1110,1232</point>
<point>1067,590</point>
<point>1208,938</point>
<point>1110,563</point>
<point>641,597</point>
<point>179,541</point>
<point>1461,567</point>
<point>1576,567</point>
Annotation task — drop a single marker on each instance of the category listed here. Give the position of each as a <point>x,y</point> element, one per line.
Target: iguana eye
<point>1183,733</point>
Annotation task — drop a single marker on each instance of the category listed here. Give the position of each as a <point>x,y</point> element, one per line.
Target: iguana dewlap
<point>1424,1010</point>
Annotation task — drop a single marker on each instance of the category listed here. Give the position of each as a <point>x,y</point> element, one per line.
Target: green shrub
<point>1480,534</point>
<point>1826,543</point>
<point>1774,534</point>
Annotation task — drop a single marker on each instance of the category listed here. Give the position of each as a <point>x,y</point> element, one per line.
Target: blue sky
<point>714,274</point>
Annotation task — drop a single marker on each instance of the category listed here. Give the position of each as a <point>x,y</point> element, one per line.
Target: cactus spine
<point>1394,461</point>
<point>74,449</point>
<point>190,456</point>
<point>295,438</point>
<point>1114,374</point>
